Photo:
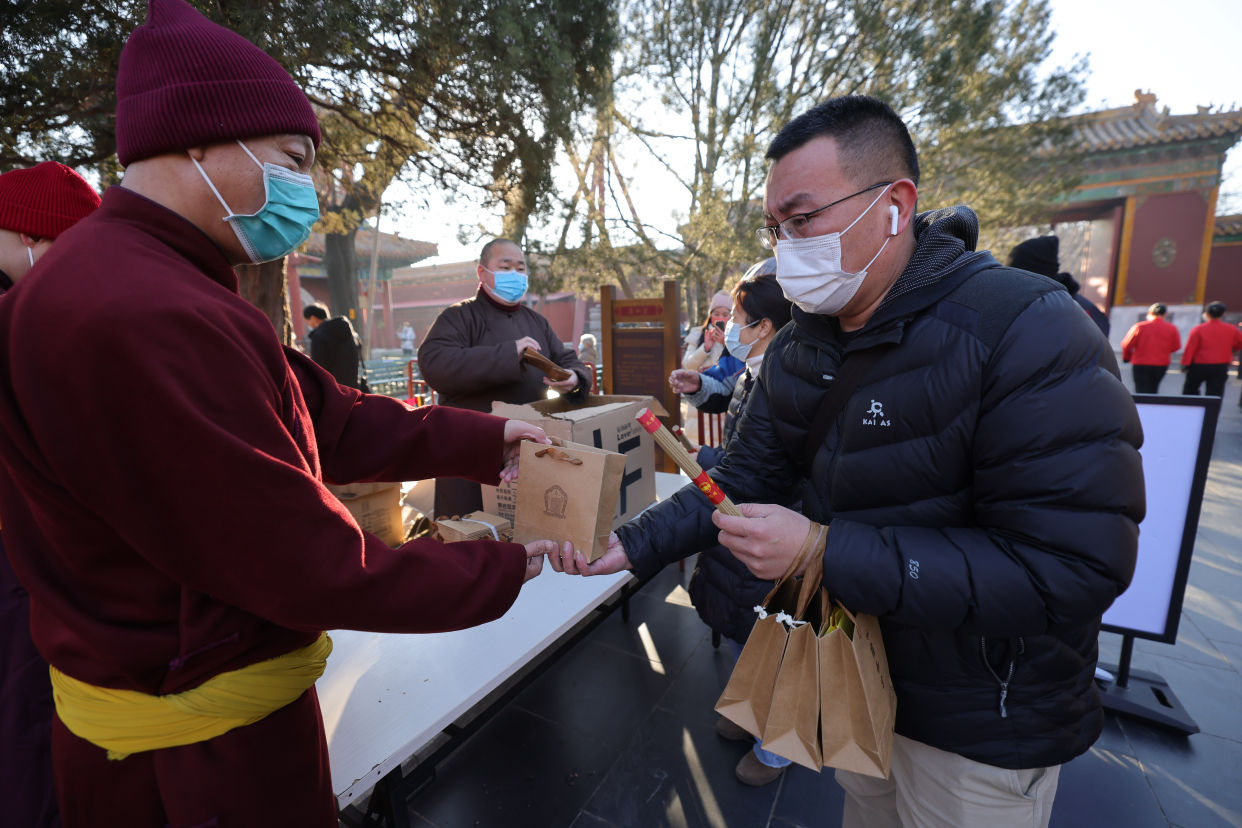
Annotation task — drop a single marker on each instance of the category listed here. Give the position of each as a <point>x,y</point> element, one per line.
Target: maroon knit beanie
<point>184,81</point>
<point>44,200</point>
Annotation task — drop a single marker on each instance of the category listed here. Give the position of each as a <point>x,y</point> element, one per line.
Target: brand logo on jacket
<point>875,416</point>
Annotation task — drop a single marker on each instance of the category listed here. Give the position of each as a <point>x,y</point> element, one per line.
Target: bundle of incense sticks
<point>680,434</point>
<point>685,462</point>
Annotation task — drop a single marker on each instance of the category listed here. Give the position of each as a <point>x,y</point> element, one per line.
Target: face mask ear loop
<point>868,210</point>
<point>216,192</point>
<point>867,266</point>
<point>251,154</point>
<point>30,253</point>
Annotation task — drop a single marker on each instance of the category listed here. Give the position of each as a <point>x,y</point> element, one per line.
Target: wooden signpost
<point>642,346</point>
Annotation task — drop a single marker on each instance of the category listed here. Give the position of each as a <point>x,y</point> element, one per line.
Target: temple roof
<point>1228,225</point>
<point>394,251</point>
<point>1141,125</point>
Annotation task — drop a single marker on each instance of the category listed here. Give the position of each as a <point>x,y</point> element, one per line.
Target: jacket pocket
<point>1004,669</point>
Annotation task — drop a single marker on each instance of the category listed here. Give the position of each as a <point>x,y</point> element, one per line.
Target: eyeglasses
<point>798,226</point>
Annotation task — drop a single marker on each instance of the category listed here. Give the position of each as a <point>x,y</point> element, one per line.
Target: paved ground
<point>619,732</point>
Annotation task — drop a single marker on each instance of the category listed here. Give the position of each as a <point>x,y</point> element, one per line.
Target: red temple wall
<point>1224,278</point>
<point>1176,217</point>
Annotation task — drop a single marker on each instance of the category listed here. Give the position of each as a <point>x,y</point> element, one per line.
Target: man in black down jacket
<point>982,485</point>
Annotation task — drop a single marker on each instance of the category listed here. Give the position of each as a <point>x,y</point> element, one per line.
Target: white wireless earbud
<point>892,209</point>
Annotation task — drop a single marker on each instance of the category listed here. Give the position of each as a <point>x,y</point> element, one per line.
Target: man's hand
<point>765,540</point>
<point>685,382</point>
<point>515,432</point>
<point>564,386</point>
<point>524,343</point>
<point>574,562</point>
<point>535,552</point>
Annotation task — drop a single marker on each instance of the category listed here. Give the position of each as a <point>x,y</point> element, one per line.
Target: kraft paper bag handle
<point>814,575</point>
<point>793,567</point>
<point>815,569</point>
<point>556,454</point>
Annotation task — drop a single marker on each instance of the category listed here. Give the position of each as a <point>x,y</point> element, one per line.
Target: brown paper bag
<point>749,698</point>
<point>567,493</point>
<point>792,728</point>
<point>858,705</point>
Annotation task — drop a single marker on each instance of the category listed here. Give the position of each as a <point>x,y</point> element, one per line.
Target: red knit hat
<point>44,200</point>
<point>184,81</point>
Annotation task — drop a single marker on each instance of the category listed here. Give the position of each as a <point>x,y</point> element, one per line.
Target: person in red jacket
<point>36,205</point>
<point>1209,350</point>
<point>1147,347</point>
<point>163,462</point>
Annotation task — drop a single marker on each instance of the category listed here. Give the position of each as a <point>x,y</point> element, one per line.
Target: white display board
<point>1176,449</point>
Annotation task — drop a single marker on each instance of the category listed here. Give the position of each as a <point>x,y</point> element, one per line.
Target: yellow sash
<point>126,721</point>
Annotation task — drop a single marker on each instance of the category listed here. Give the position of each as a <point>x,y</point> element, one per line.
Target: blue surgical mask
<point>511,285</point>
<point>284,221</point>
<point>733,342</point>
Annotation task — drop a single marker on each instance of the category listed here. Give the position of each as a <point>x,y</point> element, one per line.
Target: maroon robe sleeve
<point>431,441</point>
<point>186,432</point>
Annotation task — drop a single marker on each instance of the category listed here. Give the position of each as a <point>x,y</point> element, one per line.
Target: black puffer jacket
<point>723,590</point>
<point>984,500</point>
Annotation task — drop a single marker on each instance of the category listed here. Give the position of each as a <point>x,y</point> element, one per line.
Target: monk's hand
<point>526,342</point>
<point>766,538</point>
<point>536,551</point>
<point>515,432</point>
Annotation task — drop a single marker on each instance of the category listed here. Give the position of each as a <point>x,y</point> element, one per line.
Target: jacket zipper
<point>1004,683</point>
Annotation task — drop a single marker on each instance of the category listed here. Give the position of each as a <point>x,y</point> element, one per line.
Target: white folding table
<point>385,697</point>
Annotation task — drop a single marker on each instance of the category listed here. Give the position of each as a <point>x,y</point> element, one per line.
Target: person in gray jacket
<point>472,355</point>
<point>982,488</point>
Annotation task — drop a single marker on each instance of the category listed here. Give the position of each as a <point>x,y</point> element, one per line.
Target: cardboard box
<point>349,491</point>
<point>501,501</point>
<point>602,421</point>
<point>472,527</point>
<point>376,507</point>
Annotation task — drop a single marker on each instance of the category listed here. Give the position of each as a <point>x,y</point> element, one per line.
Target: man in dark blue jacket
<point>982,484</point>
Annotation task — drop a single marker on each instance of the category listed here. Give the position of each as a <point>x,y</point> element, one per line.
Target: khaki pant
<point>932,788</point>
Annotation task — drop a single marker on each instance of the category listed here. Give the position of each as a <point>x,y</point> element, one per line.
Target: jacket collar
<point>169,229</point>
<point>944,256</point>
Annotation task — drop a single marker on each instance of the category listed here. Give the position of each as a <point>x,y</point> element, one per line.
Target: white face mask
<point>810,274</point>
<point>733,342</point>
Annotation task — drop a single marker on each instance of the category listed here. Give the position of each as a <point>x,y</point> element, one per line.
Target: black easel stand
<point>1143,695</point>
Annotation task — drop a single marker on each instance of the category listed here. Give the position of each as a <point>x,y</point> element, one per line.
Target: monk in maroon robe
<point>164,458</point>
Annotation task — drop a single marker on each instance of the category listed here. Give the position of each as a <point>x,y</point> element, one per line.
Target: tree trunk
<point>518,207</point>
<point>264,286</point>
<point>341,264</point>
